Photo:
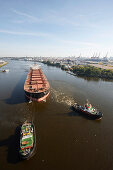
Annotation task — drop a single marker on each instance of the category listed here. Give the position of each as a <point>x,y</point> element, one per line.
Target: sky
<point>56,28</point>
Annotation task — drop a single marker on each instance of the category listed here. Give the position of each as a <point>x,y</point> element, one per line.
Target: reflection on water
<point>96,79</point>
<point>12,145</point>
<point>90,78</point>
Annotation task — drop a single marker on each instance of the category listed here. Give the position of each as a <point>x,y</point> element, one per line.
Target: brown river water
<point>65,140</point>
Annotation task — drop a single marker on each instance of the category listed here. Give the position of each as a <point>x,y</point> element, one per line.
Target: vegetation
<point>51,63</point>
<point>92,71</point>
<point>63,67</point>
<point>84,70</point>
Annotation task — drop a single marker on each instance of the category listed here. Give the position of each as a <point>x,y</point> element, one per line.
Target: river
<point>65,140</point>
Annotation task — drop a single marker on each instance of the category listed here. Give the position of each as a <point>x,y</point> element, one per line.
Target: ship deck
<point>36,81</point>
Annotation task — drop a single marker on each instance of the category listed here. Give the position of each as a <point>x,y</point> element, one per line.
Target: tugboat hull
<point>96,116</point>
<point>79,109</point>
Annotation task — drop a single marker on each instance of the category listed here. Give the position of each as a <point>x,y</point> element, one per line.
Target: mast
<point>106,55</point>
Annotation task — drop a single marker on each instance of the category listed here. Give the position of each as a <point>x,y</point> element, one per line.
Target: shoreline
<point>79,71</point>
<point>5,63</point>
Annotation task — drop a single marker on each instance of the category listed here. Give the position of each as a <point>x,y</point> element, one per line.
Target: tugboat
<point>87,110</point>
<point>27,140</point>
<point>7,70</point>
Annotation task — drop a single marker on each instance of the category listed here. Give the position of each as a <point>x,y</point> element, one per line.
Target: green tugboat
<point>27,140</point>
<point>88,110</point>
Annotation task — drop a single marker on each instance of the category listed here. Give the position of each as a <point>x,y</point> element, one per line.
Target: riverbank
<point>1,65</point>
<point>84,70</point>
<point>92,71</point>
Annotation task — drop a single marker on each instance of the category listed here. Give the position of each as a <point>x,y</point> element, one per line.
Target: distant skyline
<point>56,28</point>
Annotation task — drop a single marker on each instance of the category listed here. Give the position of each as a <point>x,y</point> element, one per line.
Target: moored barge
<point>87,110</point>
<point>36,86</point>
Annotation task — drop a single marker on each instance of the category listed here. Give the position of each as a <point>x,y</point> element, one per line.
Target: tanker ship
<point>36,86</point>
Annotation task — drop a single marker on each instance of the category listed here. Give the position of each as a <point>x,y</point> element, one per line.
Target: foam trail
<point>61,97</point>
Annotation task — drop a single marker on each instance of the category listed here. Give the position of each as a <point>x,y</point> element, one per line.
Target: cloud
<point>77,43</point>
<point>50,17</point>
<point>38,34</point>
<point>78,20</point>
<point>18,21</point>
<point>25,15</point>
<point>56,17</point>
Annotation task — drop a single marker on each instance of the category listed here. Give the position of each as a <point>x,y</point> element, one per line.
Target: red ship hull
<point>36,86</point>
<point>38,99</point>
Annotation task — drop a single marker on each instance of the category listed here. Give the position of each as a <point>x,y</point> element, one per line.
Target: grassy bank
<point>91,71</point>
